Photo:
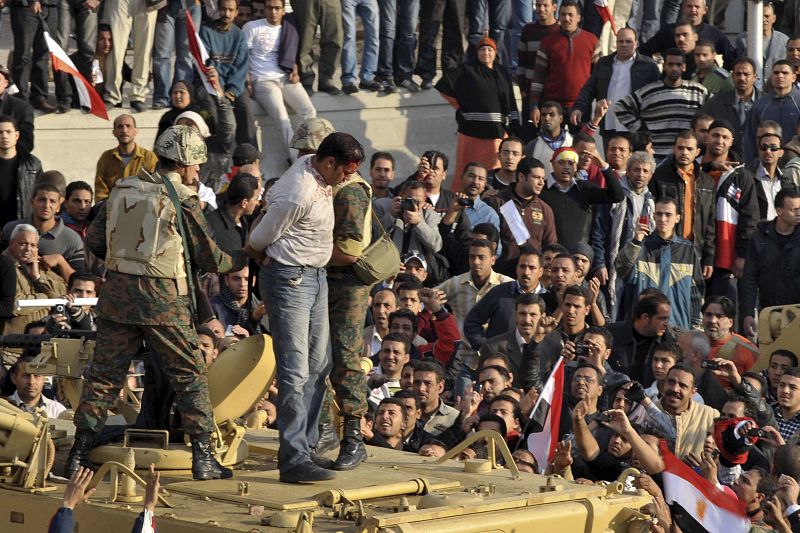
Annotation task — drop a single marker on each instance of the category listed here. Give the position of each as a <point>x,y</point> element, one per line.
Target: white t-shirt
<point>263,40</point>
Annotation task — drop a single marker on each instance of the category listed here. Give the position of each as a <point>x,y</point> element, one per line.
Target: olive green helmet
<point>182,144</point>
<point>311,133</point>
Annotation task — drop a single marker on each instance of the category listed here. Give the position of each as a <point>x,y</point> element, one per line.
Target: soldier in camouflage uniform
<point>147,296</point>
<point>309,135</point>
<point>348,300</point>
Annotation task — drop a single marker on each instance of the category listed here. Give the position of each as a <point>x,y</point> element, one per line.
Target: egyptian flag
<point>86,93</point>
<point>605,13</point>
<point>710,507</point>
<point>547,412</point>
<point>199,54</point>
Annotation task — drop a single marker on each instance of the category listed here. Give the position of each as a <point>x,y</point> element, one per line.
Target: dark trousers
<point>449,14</point>
<point>31,55</point>
<point>86,37</point>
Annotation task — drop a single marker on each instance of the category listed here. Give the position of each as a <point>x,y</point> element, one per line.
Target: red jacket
<point>563,64</point>
<point>441,332</point>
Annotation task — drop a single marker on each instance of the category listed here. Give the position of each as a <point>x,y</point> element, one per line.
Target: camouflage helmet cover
<point>311,133</point>
<point>183,145</point>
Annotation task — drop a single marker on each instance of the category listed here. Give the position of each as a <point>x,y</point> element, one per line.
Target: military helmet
<point>183,145</point>
<point>310,133</point>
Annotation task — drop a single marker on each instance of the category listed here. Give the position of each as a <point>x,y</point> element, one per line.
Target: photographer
<point>465,213</point>
<point>411,222</point>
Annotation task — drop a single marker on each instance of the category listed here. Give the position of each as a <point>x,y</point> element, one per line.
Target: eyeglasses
<point>770,147</point>
<point>584,379</point>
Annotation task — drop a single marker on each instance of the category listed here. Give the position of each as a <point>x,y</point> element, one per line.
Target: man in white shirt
<point>28,395</point>
<point>295,237</point>
<point>274,80</point>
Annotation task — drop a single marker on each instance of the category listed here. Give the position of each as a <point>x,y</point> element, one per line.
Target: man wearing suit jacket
<point>613,77</point>
<point>518,343</point>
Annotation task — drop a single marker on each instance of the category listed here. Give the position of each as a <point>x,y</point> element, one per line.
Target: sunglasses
<point>770,147</point>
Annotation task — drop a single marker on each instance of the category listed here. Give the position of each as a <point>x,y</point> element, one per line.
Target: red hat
<point>487,41</point>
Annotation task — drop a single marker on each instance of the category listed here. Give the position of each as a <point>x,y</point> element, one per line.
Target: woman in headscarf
<point>486,111</point>
<point>181,99</point>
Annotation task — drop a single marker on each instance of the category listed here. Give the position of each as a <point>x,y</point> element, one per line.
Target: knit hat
<point>722,123</point>
<point>565,152</point>
<point>583,249</point>
<point>486,41</point>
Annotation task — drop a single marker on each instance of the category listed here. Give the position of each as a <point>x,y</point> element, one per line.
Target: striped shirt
<point>664,110</point>
<point>462,294</point>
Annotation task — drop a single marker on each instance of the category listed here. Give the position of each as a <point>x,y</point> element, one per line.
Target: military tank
<point>392,492</point>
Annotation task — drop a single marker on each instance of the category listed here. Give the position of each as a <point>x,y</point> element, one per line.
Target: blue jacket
<point>785,110</point>
<point>671,266</point>
<point>64,522</point>
<point>230,55</point>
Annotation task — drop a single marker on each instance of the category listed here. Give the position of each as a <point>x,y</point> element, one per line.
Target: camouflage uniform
<point>716,81</point>
<point>348,296</point>
<point>132,308</point>
<point>310,133</point>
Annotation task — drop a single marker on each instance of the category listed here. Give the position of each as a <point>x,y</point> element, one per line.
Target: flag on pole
<point>712,508</point>
<point>199,54</point>
<point>547,410</point>
<point>87,95</point>
<point>601,6</point>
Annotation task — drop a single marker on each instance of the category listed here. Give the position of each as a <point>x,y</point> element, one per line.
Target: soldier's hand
<point>76,492</point>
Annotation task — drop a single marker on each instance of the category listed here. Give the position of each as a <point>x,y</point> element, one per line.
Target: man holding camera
<point>411,222</point>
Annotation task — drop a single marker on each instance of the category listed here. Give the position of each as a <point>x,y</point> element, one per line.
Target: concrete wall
<point>402,123</point>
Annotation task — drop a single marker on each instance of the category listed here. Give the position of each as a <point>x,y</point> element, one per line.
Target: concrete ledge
<point>404,124</point>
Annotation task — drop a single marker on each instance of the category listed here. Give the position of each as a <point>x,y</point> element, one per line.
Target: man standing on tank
<point>148,295</point>
<point>348,300</point>
<point>296,236</point>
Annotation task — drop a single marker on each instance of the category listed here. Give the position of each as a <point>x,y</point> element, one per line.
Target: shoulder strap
<point>173,194</point>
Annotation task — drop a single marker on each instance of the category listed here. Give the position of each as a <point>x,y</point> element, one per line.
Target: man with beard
<point>719,313</point>
<point>510,154</point>
<point>563,273</point>
<point>736,209</point>
<point>666,106</point>
<point>437,417</point>
<point>575,307</point>
<point>734,106</point>
<point>552,135</point>
<point>692,421</point>
<point>30,385</point>
<point>537,216</point>
<point>614,225</point>
<point>381,173</point>
<point>235,307</point>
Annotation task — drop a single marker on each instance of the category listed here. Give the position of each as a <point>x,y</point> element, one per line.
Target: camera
<point>711,365</point>
<point>410,204</point>
<point>59,309</point>
<point>758,433</point>
<point>601,418</point>
<point>466,202</point>
<point>582,349</point>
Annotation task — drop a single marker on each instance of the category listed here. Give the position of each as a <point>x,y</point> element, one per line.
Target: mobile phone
<point>758,433</point>
<point>644,220</point>
<point>601,418</point>
<point>711,365</point>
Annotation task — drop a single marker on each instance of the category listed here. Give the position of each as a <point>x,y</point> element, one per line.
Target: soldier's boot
<point>351,450</point>
<point>328,440</point>
<point>79,454</point>
<point>204,464</point>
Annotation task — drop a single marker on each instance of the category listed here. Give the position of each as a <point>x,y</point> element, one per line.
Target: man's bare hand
<point>152,489</point>
<point>76,492</point>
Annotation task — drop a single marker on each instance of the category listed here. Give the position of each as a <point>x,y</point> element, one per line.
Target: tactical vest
<point>366,239</point>
<point>141,230</point>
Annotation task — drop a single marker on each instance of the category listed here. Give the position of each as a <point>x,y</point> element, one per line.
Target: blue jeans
<point>297,299</point>
<point>171,37</point>
<point>522,13</point>
<point>370,18</point>
<point>398,39</point>
<point>491,15</point>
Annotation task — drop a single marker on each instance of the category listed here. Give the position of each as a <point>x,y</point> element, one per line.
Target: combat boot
<point>328,440</point>
<point>351,450</point>
<point>204,464</point>
<point>79,454</point>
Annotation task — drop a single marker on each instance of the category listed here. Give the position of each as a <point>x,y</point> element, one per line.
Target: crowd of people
<point>628,221</point>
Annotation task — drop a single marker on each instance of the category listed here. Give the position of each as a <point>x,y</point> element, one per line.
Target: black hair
<point>242,187</point>
<point>608,338</point>
<point>396,337</point>
<point>405,313</point>
<point>728,307</point>
<point>342,147</point>
<point>381,155</point>
<point>76,186</point>
<point>81,275</point>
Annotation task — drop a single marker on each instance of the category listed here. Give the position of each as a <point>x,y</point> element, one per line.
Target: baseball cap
<point>414,254</point>
<point>245,154</point>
